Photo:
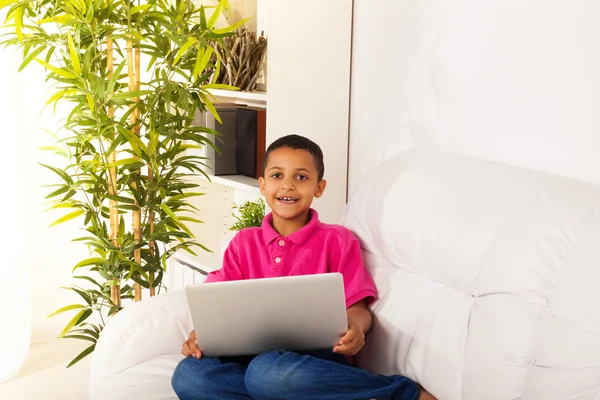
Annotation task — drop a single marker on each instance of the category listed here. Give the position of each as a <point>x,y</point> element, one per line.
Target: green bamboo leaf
<point>60,94</point>
<point>90,12</point>
<point>124,161</point>
<point>30,57</point>
<point>133,93</point>
<point>231,28</point>
<point>190,219</point>
<point>186,195</point>
<point>174,217</point>
<point>72,322</point>
<point>89,261</point>
<point>63,205</point>
<point>82,355</point>
<point>137,279</point>
<point>66,308</point>
<point>18,17</point>
<point>134,166</point>
<point>120,199</point>
<point>203,62</point>
<point>61,190</point>
<point>137,9</point>
<point>215,15</point>
<point>135,141</point>
<point>80,337</point>
<point>115,77</point>
<point>56,149</point>
<point>57,71</point>
<point>121,229</point>
<point>210,107</point>
<point>68,217</point>
<point>199,55</point>
<point>60,173</point>
<point>202,18</point>
<point>217,70</point>
<point>87,278</point>
<point>59,20</point>
<point>74,55</point>
<point>220,86</point>
<point>128,207</point>
<point>4,3</point>
<point>79,5</point>
<point>189,43</point>
<point>90,101</point>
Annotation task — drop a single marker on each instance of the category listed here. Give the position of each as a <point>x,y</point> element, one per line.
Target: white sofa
<point>489,284</point>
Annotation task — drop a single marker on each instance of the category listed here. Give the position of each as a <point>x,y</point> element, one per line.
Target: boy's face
<point>290,183</point>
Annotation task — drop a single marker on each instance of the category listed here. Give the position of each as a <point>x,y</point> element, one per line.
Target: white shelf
<point>237,181</point>
<point>253,99</point>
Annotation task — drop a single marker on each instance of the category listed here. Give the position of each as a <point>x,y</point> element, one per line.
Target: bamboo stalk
<point>115,292</point>
<point>152,244</point>
<point>133,118</point>
<point>115,288</point>
<point>112,189</point>
<point>150,172</point>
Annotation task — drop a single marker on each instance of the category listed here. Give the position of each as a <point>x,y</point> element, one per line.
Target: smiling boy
<point>292,241</point>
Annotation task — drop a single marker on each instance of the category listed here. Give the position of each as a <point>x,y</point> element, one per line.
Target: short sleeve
<point>230,269</point>
<point>358,284</point>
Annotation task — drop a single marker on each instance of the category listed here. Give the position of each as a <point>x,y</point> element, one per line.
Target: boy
<point>292,241</point>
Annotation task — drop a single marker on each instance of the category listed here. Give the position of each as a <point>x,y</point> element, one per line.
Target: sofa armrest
<point>141,332</point>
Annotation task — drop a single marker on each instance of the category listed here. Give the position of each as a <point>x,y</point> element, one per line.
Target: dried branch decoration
<point>242,56</point>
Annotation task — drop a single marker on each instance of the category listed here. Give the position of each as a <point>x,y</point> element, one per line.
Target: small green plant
<point>249,214</point>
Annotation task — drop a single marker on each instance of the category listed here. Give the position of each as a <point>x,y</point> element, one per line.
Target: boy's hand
<point>190,347</point>
<point>352,342</point>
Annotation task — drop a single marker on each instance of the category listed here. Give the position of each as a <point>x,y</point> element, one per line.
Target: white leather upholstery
<point>488,277</point>
<point>139,349</point>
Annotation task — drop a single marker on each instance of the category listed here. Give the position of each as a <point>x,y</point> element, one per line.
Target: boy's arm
<point>359,323</point>
<point>360,316</point>
<point>230,269</point>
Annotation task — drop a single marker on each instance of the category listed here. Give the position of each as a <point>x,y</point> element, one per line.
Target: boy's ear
<point>261,184</point>
<point>320,188</point>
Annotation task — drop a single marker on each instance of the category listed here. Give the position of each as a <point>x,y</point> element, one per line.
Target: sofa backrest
<point>488,277</point>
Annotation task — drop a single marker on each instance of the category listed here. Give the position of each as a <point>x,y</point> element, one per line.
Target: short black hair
<point>297,142</point>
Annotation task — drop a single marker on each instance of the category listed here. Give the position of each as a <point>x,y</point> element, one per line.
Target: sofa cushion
<point>471,258</point>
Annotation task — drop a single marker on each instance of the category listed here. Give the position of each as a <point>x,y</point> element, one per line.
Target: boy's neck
<point>286,227</point>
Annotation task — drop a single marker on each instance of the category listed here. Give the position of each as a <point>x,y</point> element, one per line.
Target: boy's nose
<point>287,184</point>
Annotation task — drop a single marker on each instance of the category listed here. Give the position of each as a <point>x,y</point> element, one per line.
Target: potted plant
<point>125,139</point>
<point>248,214</point>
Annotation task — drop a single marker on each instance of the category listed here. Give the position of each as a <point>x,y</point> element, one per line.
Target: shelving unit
<point>251,99</point>
<point>237,182</point>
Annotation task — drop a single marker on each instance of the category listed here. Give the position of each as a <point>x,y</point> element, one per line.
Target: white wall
<point>47,254</point>
<point>511,81</point>
<point>308,85</point>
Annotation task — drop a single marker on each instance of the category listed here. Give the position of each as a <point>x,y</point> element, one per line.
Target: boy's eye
<point>302,177</point>
<point>276,175</point>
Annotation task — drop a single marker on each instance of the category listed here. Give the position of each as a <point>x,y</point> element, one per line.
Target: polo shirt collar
<point>298,237</point>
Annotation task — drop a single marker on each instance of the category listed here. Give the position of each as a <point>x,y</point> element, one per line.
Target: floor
<point>44,375</point>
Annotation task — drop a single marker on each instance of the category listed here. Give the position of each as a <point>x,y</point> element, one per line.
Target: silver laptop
<point>252,316</point>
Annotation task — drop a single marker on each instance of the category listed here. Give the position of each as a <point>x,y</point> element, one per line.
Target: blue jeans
<point>285,375</point>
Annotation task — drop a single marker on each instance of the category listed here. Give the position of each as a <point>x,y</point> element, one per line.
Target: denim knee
<point>269,375</point>
<point>188,379</point>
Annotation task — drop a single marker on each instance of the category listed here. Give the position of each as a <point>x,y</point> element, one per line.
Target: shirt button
<point>281,243</point>
<point>278,260</point>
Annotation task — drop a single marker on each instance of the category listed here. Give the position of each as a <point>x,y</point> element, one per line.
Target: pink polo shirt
<point>315,249</point>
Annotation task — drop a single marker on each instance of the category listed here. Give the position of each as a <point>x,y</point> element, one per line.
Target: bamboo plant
<point>125,141</point>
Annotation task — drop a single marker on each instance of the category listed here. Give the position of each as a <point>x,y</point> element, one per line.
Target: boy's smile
<point>289,184</point>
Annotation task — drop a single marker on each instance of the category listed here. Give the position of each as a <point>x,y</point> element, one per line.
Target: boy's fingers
<point>346,349</point>
<point>347,338</point>
<point>185,349</point>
